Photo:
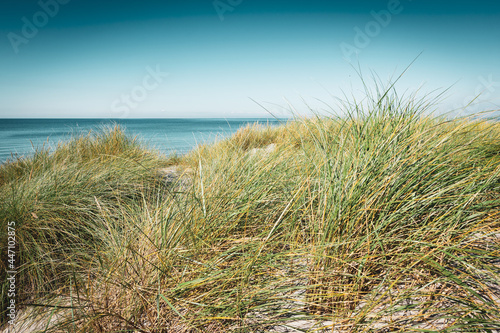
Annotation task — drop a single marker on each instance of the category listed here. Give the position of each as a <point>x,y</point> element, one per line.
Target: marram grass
<point>386,219</point>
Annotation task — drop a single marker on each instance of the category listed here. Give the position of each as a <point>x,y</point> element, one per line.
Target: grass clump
<point>58,201</point>
<point>384,219</point>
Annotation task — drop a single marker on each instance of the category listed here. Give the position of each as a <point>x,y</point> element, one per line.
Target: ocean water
<point>22,137</point>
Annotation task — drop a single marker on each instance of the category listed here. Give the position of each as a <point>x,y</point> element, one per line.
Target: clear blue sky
<point>204,58</point>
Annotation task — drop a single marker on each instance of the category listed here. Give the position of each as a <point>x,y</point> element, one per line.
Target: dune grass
<point>384,219</point>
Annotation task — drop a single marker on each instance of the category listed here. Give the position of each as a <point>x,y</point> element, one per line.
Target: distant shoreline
<point>167,135</point>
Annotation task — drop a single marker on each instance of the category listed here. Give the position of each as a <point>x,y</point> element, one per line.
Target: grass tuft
<point>383,219</point>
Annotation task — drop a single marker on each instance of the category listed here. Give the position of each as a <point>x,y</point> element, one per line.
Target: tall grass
<point>385,219</point>
<point>56,200</point>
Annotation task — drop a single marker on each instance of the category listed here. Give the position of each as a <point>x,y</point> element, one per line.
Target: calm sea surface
<point>23,136</point>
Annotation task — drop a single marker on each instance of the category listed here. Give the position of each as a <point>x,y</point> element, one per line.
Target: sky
<point>240,58</point>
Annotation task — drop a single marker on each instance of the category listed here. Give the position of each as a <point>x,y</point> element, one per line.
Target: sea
<point>22,137</point>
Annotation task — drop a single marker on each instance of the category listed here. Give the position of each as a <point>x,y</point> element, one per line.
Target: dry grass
<point>384,220</point>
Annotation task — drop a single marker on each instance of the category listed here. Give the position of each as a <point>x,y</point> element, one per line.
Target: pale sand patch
<point>177,177</point>
<point>262,151</point>
<point>36,319</point>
